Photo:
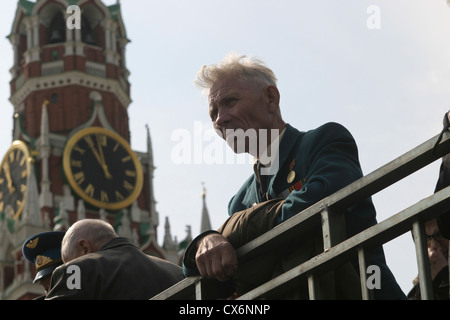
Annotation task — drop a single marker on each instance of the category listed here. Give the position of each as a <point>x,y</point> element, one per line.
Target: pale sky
<point>386,78</point>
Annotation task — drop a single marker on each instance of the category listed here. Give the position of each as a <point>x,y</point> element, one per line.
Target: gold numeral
<point>118,195</point>
<point>127,158</point>
<point>102,140</point>
<point>79,177</point>
<point>130,173</point>
<point>127,185</point>
<point>77,148</point>
<point>116,147</point>
<point>75,163</point>
<point>90,190</point>
<point>23,188</point>
<point>104,196</point>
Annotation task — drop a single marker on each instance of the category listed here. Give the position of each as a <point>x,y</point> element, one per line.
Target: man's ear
<point>84,247</point>
<point>273,98</point>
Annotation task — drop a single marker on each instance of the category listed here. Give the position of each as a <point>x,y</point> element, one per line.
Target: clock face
<point>102,169</point>
<point>14,172</point>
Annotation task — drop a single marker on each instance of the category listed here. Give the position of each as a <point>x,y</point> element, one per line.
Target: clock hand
<point>8,177</point>
<point>101,163</point>
<point>101,159</point>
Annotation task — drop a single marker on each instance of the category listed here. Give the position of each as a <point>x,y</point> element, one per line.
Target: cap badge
<point>33,243</point>
<point>42,261</point>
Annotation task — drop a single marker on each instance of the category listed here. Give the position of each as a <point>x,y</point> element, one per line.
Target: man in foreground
<point>293,170</point>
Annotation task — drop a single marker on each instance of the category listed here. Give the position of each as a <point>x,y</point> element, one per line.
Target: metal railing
<point>327,214</point>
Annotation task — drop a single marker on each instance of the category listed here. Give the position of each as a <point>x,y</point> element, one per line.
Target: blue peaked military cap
<point>44,250</point>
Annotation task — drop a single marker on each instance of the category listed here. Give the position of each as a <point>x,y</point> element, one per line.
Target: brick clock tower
<point>70,156</point>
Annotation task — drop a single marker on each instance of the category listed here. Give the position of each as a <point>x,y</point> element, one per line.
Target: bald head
<point>85,236</point>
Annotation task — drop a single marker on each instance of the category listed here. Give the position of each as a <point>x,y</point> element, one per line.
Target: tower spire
<point>205,222</point>
<point>45,198</point>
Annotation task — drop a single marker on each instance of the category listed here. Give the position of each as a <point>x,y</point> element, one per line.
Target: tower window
<point>87,33</point>
<point>54,98</point>
<point>57,30</point>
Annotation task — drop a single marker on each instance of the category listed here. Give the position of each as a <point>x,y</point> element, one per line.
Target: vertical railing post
<point>313,289</point>
<point>423,262</point>
<point>362,258</point>
<point>333,232</point>
<point>206,289</point>
<point>333,228</point>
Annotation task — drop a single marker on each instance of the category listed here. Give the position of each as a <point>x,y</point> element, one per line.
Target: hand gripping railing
<point>327,213</point>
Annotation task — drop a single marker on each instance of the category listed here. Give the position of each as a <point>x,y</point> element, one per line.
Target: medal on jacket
<point>291,174</point>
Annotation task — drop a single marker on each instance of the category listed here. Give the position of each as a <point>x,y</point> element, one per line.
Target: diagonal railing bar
<point>183,290</point>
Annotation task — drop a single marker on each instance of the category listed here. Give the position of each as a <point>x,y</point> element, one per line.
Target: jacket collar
<point>290,139</point>
<point>115,242</point>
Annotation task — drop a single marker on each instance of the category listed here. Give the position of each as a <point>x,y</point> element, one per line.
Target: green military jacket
<point>323,160</point>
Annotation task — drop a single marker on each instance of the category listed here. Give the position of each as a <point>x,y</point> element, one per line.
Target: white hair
<point>245,67</point>
<point>96,231</point>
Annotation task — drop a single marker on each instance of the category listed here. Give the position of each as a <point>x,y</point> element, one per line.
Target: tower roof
<point>27,6</point>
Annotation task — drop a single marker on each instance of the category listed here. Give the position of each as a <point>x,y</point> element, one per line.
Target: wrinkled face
<point>237,104</point>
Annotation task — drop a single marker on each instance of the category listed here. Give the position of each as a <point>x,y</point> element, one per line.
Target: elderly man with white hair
<point>293,170</point>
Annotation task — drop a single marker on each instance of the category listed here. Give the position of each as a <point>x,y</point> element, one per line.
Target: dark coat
<point>118,271</point>
<point>439,284</point>
<point>324,160</point>
<point>443,220</point>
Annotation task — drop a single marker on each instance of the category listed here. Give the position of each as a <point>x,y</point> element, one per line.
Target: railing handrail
<point>382,232</point>
<point>368,185</point>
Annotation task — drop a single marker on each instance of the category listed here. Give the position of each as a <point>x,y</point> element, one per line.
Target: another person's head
<point>44,251</point>
<point>244,102</point>
<point>84,237</point>
<point>434,238</point>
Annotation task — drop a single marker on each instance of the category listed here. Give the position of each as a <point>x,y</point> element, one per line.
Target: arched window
<point>87,33</point>
<point>57,30</point>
